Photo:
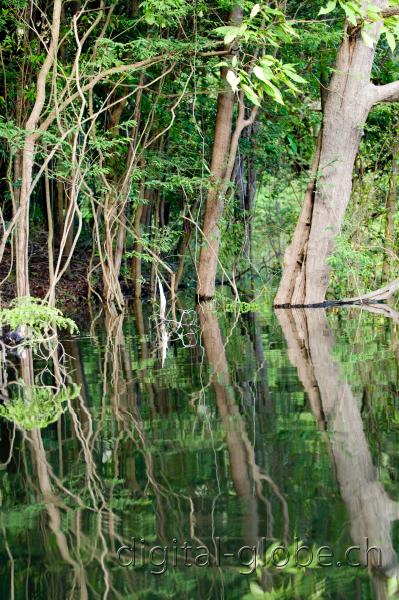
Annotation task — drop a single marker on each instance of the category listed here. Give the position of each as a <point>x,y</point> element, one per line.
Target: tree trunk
<point>28,154</point>
<point>390,208</point>
<point>215,201</point>
<point>349,100</point>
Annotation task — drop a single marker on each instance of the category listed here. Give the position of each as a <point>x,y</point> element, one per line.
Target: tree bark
<point>215,201</point>
<point>349,100</point>
<point>28,154</point>
<point>390,207</point>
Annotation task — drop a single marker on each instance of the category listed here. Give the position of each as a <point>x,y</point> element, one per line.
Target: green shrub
<point>37,316</point>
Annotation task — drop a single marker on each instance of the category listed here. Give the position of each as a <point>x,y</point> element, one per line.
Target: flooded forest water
<point>176,472</point>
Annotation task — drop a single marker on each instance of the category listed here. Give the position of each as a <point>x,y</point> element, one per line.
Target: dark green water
<point>256,431</point>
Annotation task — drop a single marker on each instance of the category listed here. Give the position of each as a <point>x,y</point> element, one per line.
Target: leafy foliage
<point>37,315</point>
<point>36,406</point>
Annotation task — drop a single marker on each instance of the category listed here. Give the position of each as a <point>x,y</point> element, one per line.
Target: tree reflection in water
<point>190,450</point>
<point>370,509</point>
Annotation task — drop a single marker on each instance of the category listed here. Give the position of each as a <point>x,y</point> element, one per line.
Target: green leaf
<point>351,12</point>
<point>273,91</point>
<point>391,40</point>
<point>373,11</point>
<point>293,75</point>
<point>262,74</point>
<point>267,60</point>
<point>150,18</point>
<point>291,86</point>
<point>250,94</point>
<point>229,33</point>
<point>331,4</point>
<point>230,37</point>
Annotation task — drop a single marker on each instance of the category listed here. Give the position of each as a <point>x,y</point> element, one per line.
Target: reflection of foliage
<point>37,315</point>
<point>168,467</point>
<point>36,406</point>
<point>21,519</point>
<point>313,582</point>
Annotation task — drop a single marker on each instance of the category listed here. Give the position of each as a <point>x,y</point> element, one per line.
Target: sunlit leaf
<point>391,40</point>
<point>293,75</point>
<point>254,11</point>
<point>262,74</point>
<point>273,91</point>
<point>330,6</point>
<point>233,80</point>
<point>367,39</point>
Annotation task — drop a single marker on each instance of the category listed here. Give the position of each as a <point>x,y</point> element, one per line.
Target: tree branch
<point>114,71</point>
<point>386,93</point>
<point>393,11</point>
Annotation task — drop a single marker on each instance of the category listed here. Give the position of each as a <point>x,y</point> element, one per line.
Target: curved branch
<point>91,84</point>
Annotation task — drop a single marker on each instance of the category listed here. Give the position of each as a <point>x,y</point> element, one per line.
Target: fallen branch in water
<point>378,296</point>
<point>381,294</point>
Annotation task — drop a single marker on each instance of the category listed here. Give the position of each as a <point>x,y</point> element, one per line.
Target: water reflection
<point>214,438</point>
<point>371,511</point>
<point>246,475</point>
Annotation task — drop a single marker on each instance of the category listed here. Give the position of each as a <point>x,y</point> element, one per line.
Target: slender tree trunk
<point>215,201</point>
<point>68,225</point>
<point>137,249</point>
<point>50,239</point>
<point>350,98</point>
<point>143,211</point>
<point>60,208</point>
<point>28,154</point>
<point>390,207</point>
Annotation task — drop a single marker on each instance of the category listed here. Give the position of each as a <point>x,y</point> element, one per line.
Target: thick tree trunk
<point>347,106</point>
<point>349,100</point>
